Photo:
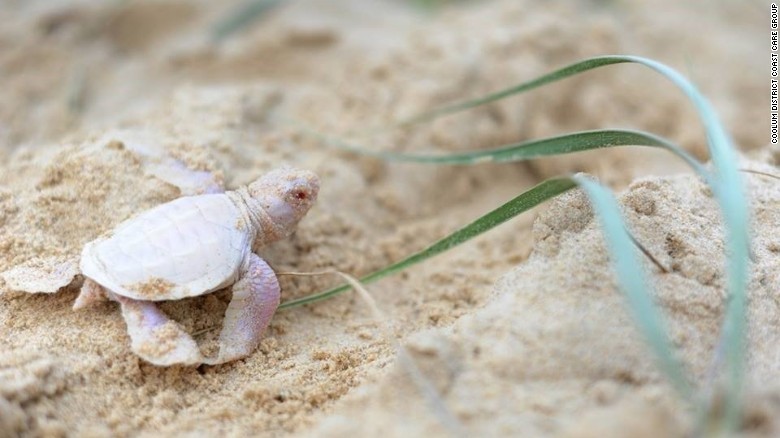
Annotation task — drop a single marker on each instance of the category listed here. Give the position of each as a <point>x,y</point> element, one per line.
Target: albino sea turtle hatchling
<point>192,246</point>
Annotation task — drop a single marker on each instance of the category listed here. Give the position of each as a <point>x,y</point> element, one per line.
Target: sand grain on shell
<point>97,96</point>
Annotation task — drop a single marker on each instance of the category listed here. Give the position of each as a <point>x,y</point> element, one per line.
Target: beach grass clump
<point>724,180</point>
<point>242,17</point>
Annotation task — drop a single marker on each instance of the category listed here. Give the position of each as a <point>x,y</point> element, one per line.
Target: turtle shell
<point>186,247</point>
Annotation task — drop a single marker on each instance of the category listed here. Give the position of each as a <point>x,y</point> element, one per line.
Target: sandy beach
<point>520,332</point>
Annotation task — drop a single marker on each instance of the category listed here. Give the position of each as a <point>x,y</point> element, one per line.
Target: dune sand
<point>520,332</point>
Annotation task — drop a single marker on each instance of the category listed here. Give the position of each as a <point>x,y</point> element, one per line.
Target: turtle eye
<point>300,195</point>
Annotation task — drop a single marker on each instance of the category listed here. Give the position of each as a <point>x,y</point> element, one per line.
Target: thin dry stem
<point>648,254</point>
<point>437,404</point>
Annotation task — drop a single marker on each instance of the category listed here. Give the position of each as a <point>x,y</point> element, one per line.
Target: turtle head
<point>286,195</point>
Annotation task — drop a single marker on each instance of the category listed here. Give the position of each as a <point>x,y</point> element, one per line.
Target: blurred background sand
<point>537,346</point>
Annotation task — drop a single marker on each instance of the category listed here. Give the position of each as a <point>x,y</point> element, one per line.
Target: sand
<point>521,331</point>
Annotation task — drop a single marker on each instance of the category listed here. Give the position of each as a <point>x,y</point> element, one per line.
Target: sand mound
<point>554,355</point>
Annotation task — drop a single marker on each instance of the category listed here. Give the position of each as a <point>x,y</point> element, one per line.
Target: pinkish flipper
<point>154,337</point>
<point>255,299</point>
<point>91,293</point>
<point>161,341</point>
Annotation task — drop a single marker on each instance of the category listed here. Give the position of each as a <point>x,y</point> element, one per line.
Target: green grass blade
<point>628,267</point>
<point>524,202</point>
<point>527,150</point>
<point>633,282</point>
<point>557,75</point>
<point>246,14</point>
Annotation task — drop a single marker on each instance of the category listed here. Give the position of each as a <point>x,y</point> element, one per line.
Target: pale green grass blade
<point>524,202</point>
<point>733,204</point>
<point>634,284</point>
<point>241,18</point>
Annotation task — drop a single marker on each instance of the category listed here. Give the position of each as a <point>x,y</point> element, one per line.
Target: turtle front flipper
<point>158,162</point>
<point>155,337</point>
<point>161,341</point>
<point>255,299</point>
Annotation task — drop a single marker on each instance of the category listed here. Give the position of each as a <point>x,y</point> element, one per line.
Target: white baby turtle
<point>192,246</point>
